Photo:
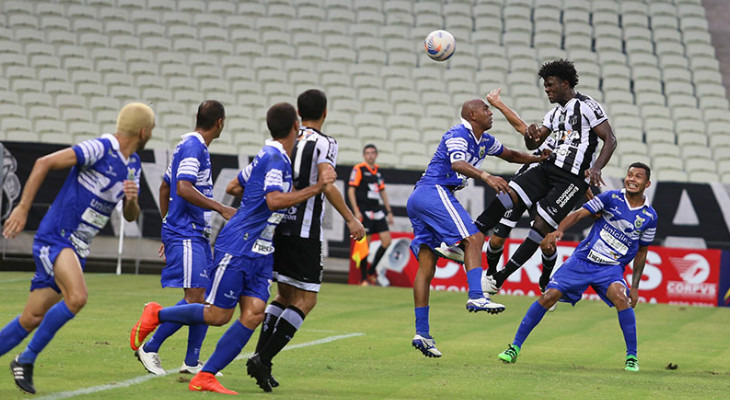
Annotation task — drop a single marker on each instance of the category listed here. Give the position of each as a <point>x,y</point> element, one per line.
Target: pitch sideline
<point>144,378</point>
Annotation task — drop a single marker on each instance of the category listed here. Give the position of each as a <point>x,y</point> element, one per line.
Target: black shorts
<point>298,262</point>
<point>374,221</point>
<point>555,191</point>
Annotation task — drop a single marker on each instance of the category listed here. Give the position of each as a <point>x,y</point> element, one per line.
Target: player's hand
<point>589,194</point>
<point>161,252</point>
<point>227,212</point>
<point>497,183</point>
<point>327,176</point>
<point>131,191</point>
<point>533,132</point>
<point>358,215</point>
<point>357,231</point>
<point>15,222</point>
<point>493,97</point>
<point>390,218</point>
<point>545,154</point>
<point>594,175</point>
<point>634,296</point>
<point>551,240</point>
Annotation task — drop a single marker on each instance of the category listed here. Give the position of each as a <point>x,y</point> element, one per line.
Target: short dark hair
<point>280,119</point>
<point>561,69</point>
<point>369,146</point>
<point>209,112</point>
<point>641,165</point>
<point>312,104</point>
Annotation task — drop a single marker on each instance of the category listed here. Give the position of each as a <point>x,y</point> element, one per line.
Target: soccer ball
<point>440,45</point>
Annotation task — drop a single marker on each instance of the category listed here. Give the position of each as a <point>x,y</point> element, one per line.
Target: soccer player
<point>298,268</point>
<point>437,216</point>
<point>186,201</point>
<point>103,171</point>
<point>555,186</point>
<point>623,232</point>
<point>244,250</point>
<point>366,188</point>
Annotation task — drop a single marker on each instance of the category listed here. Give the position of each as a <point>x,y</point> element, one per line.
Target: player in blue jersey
<point>186,201</point>
<point>103,171</point>
<point>244,250</point>
<point>437,216</point>
<point>623,232</point>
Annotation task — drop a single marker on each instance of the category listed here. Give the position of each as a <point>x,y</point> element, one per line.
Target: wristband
<point>484,175</point>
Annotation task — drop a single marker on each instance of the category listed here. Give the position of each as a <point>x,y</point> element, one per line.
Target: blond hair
<point>134,117</point>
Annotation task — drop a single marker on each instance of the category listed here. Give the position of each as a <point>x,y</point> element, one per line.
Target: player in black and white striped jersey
<point>576,123</point>
<point>298,261</point>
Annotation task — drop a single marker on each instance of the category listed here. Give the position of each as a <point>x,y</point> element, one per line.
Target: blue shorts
<point>575,275</point>
<point>45,252</point>
<point>237,276</point>
<point>188,263</point>
<point>437,216</point>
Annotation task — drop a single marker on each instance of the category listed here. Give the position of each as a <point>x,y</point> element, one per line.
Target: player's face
<point>370,154</point>
<point>145,135</point>
<point>636,180</point>
<point>554,89</point>
<point>484,116</point>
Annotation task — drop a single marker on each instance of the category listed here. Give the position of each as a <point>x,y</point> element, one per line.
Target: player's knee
<point>76,301</point>
<point>496,242</point>
<point>217,318</point>
<point>549,298</point>
<point>30,321</point>
<point>252,319</point>
<point>475,239</point>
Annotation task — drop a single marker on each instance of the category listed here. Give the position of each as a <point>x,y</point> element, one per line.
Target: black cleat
<point>23,375</point>
<point>273,382</point>
<point>257,370</point>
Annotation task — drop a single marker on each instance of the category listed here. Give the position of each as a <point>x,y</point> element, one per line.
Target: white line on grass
<point>144,378</point>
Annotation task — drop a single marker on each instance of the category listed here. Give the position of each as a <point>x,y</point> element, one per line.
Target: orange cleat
<point>206,382</point>
<point>146,324</point>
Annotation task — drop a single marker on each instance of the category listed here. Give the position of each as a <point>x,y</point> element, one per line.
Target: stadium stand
<point>67,66</point>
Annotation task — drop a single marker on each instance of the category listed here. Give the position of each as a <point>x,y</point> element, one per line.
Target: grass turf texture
<point>575,353</point>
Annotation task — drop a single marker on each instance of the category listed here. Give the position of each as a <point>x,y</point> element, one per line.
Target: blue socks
<point>11,335</point>
<point>422,327</point>
<point>187,314</point>
<point>196,335</point>
<point>627,320</point>
<point>54,319</point>
<point>529,322</point>
<point>474,279</point>
<point>228,347</point>
<point>164,331</point>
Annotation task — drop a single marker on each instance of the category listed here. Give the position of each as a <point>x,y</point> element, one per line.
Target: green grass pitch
<point>575,353</point>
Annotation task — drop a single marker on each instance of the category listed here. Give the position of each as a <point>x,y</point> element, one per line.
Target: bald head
<point>471,106</point>
<point>133,118</point>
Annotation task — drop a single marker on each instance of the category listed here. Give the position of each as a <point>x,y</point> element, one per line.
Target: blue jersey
<point>250,231</point>
<point>190,162</point>
<point>90,193</point>
<point>459,144</point>
<point>617,235</point>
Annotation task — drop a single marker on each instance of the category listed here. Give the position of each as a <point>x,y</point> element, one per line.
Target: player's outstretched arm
<point>189,193</point>
<point>495,182</point>
<point>279,200</point>
<point>605,132</point>
<point>61,159</point>
<point>552,238</point>
<point>639,263</point>
<point>535,135</point>
<point>520,157</point>
<point>496,101</point>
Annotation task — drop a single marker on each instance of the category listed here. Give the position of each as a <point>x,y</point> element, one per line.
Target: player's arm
<point>335,198</point>
<point>234,188</point>
<point>639,263</point>
<point>535,136</point>
<point>496,101</point>
<point>130,205</point>
<point>277,200</point>
<point>61,159</point>
<point>192,195</point>
<point>552,238</point>
<point>520,157</point>
<point>164,198</point>
<point>605,132</point>
<point>386,203</point>
<point>353,201</point>
<point>466,169</point>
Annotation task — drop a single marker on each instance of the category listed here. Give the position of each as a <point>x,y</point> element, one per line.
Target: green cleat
<point>632,364</point>
<point>510,355</point>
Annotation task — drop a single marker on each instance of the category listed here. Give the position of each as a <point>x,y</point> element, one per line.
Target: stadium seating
<point>68,66</point>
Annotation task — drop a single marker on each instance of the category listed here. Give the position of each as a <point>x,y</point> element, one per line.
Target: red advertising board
<point>671,276</point>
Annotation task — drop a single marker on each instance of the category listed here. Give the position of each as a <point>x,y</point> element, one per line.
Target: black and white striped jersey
<point>311,149</point>
<point>572,127</point>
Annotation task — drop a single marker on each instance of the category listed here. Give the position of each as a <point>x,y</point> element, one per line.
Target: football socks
<point>287,325</point>
<point>273,311</point>
<point>474,279</point>
<point>529,322</point>
<point>229,346</point>
<point>54,319</point>
<point>493,256</point>
<point>187,314</point>
<point>11,335</point>
<point>165,330</point>
<point>422,327</point>
<point>376,260</point>
<point>522,254</point>
<point>627,320</point>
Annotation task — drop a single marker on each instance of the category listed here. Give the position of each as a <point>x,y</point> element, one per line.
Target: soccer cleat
<point>23,375</point>
<point>510,355</point>
<point>484,304</point>
<point>192,370</point>
<point>489,284</point>
<point>427,346</point>
<point>257,370</point>
<point>273,382</point>
<point>146,324</point>
<point>150,360</point>
<point>632,364</point>
<point>206,382</point>
<point>453,253</point>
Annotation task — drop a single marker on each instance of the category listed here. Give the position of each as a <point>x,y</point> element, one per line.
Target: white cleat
<point>151,361</point>
<point>187,369</point>
<point>453,253</point>
<point>426,346</point>
<point>489,284</point>
<point>484,304</point>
